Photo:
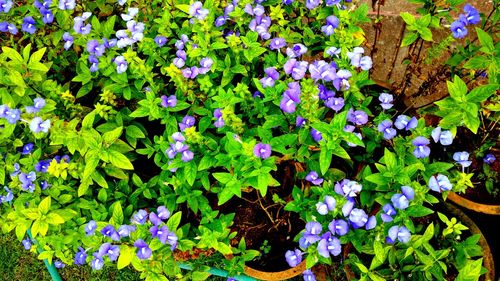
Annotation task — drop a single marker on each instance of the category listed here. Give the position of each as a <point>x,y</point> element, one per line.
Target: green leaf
<point>477,62</point>
<point>12,54</point>
<point>190,171</point>
<point>134,132</point>
<point>390,160</point>
<point>126,255</point>
<point>471,271</point>
<point>325,159</point>
<point>200,275</point>
<point>457,89</point>
<point>223,177</point>
<point>117,216</point>
<point>44,205</point>
<point>482,93</point>
<point>111,136</point>
<point>119,160</point>
<point>425,33</point>
<point>174,221</point>
<point>408,18</point>
<point>417,211</point>
<point>486,41</point>
<point>55,219</point>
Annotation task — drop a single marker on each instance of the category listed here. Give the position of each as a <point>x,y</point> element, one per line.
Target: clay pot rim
<point>474,206</point>
<point>278,275</point>
<point>488,261</point>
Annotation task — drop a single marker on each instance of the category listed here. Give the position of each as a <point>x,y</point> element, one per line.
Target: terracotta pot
<point>488,262</point>
<point>473,206</point>
<point>276,276</point>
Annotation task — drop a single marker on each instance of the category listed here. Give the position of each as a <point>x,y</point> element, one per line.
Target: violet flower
<point>388,213</point>
<point>440,183</point>
<point>404,122</point>
<point>385,127</point>
<point>421,149</point>
<point>143,250</point>
<point>386,100</point>
<point>338,227</point>
<point>400,233</point>
<point>293,258</point>
<point>443,137</point>
<point>313,178</point>
<point>402,201</point>
<point>262,150</point>
<point>329,244</point>
<point>462,158</point>
<point>311,234</point>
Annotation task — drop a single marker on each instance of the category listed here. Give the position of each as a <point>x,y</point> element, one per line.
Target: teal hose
<point>219,272</point>
<point>50,267</point>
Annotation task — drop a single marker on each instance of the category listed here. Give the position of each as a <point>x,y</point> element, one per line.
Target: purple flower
<point>489,158</point>
<point>388,213</point>
<point>44,185</point>
<point>125,230</point>
<point>27,148</point>
<point>311,234</point>
<point>187,155</point>
<point>402,201</point>
<point>154,219</point>
<point>262,150</point>
<point>321,208</point>
<point>5,6</point>
<point>218,115</point>
<point>297,69</point>
<point>170,101</point>
<point>313,178</point>
<point>29,177</point>
<point>458,29</point>
<point>90,227</point>
<point>187,122</point>
<point>47,15</point>
<point>160,40</point>
<point>205,65</point>
<point>471,15</point>
<point>29,25</point>
<point>341,83</point>
<point>121,64</point>
<point>444,137</point>
<point>332,22</point>
<point>296,51</point>
<point>112,251</point>
<point>329,244</point>
<point>42,166</point>
<point>66,4</point>
<point>26,244</point>
<point>308,275</point>
<point>111,232</point>
<point>338,227</point>
<point>59,264</point>
<point>13,115</point>
<point>97,263</point>
<point>316,135</point>
<point>293,258</point>
<point>311,4</point>
<point>37,125</point>
<point>143,250</point>
<point>386,100</point>
<point>163,213</point>
<point>196,10</point>
<point>333,51</point>
<point>385,127</point>
<point>7,198</point>
<point>330,202</point>
<point>94,63</point>
<point>404,122</point>
<point>400,233</point>
<point>351,188</point>
<point>335,103</point>
<point>300,121</point>
<point>8,27</point>
<point>80,256</point>
<point>321,70</point>
<point>462,158</point>
<point>277,43</point>
<point>358,218</point>
<point>38,104</point>
<point>358,117</point>
<point>421,149</point>
<point>440,183</point>
<point>371,223</point>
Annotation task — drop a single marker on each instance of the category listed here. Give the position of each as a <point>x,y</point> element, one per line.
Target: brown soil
<point>270,232</point>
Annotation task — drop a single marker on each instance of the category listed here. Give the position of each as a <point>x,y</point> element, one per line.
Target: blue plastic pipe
<point>50,266</point>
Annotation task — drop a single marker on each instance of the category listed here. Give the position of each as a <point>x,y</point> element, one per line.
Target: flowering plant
<point>168,116</point>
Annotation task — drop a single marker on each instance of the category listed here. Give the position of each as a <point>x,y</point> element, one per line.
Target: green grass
<point>17,264</point>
